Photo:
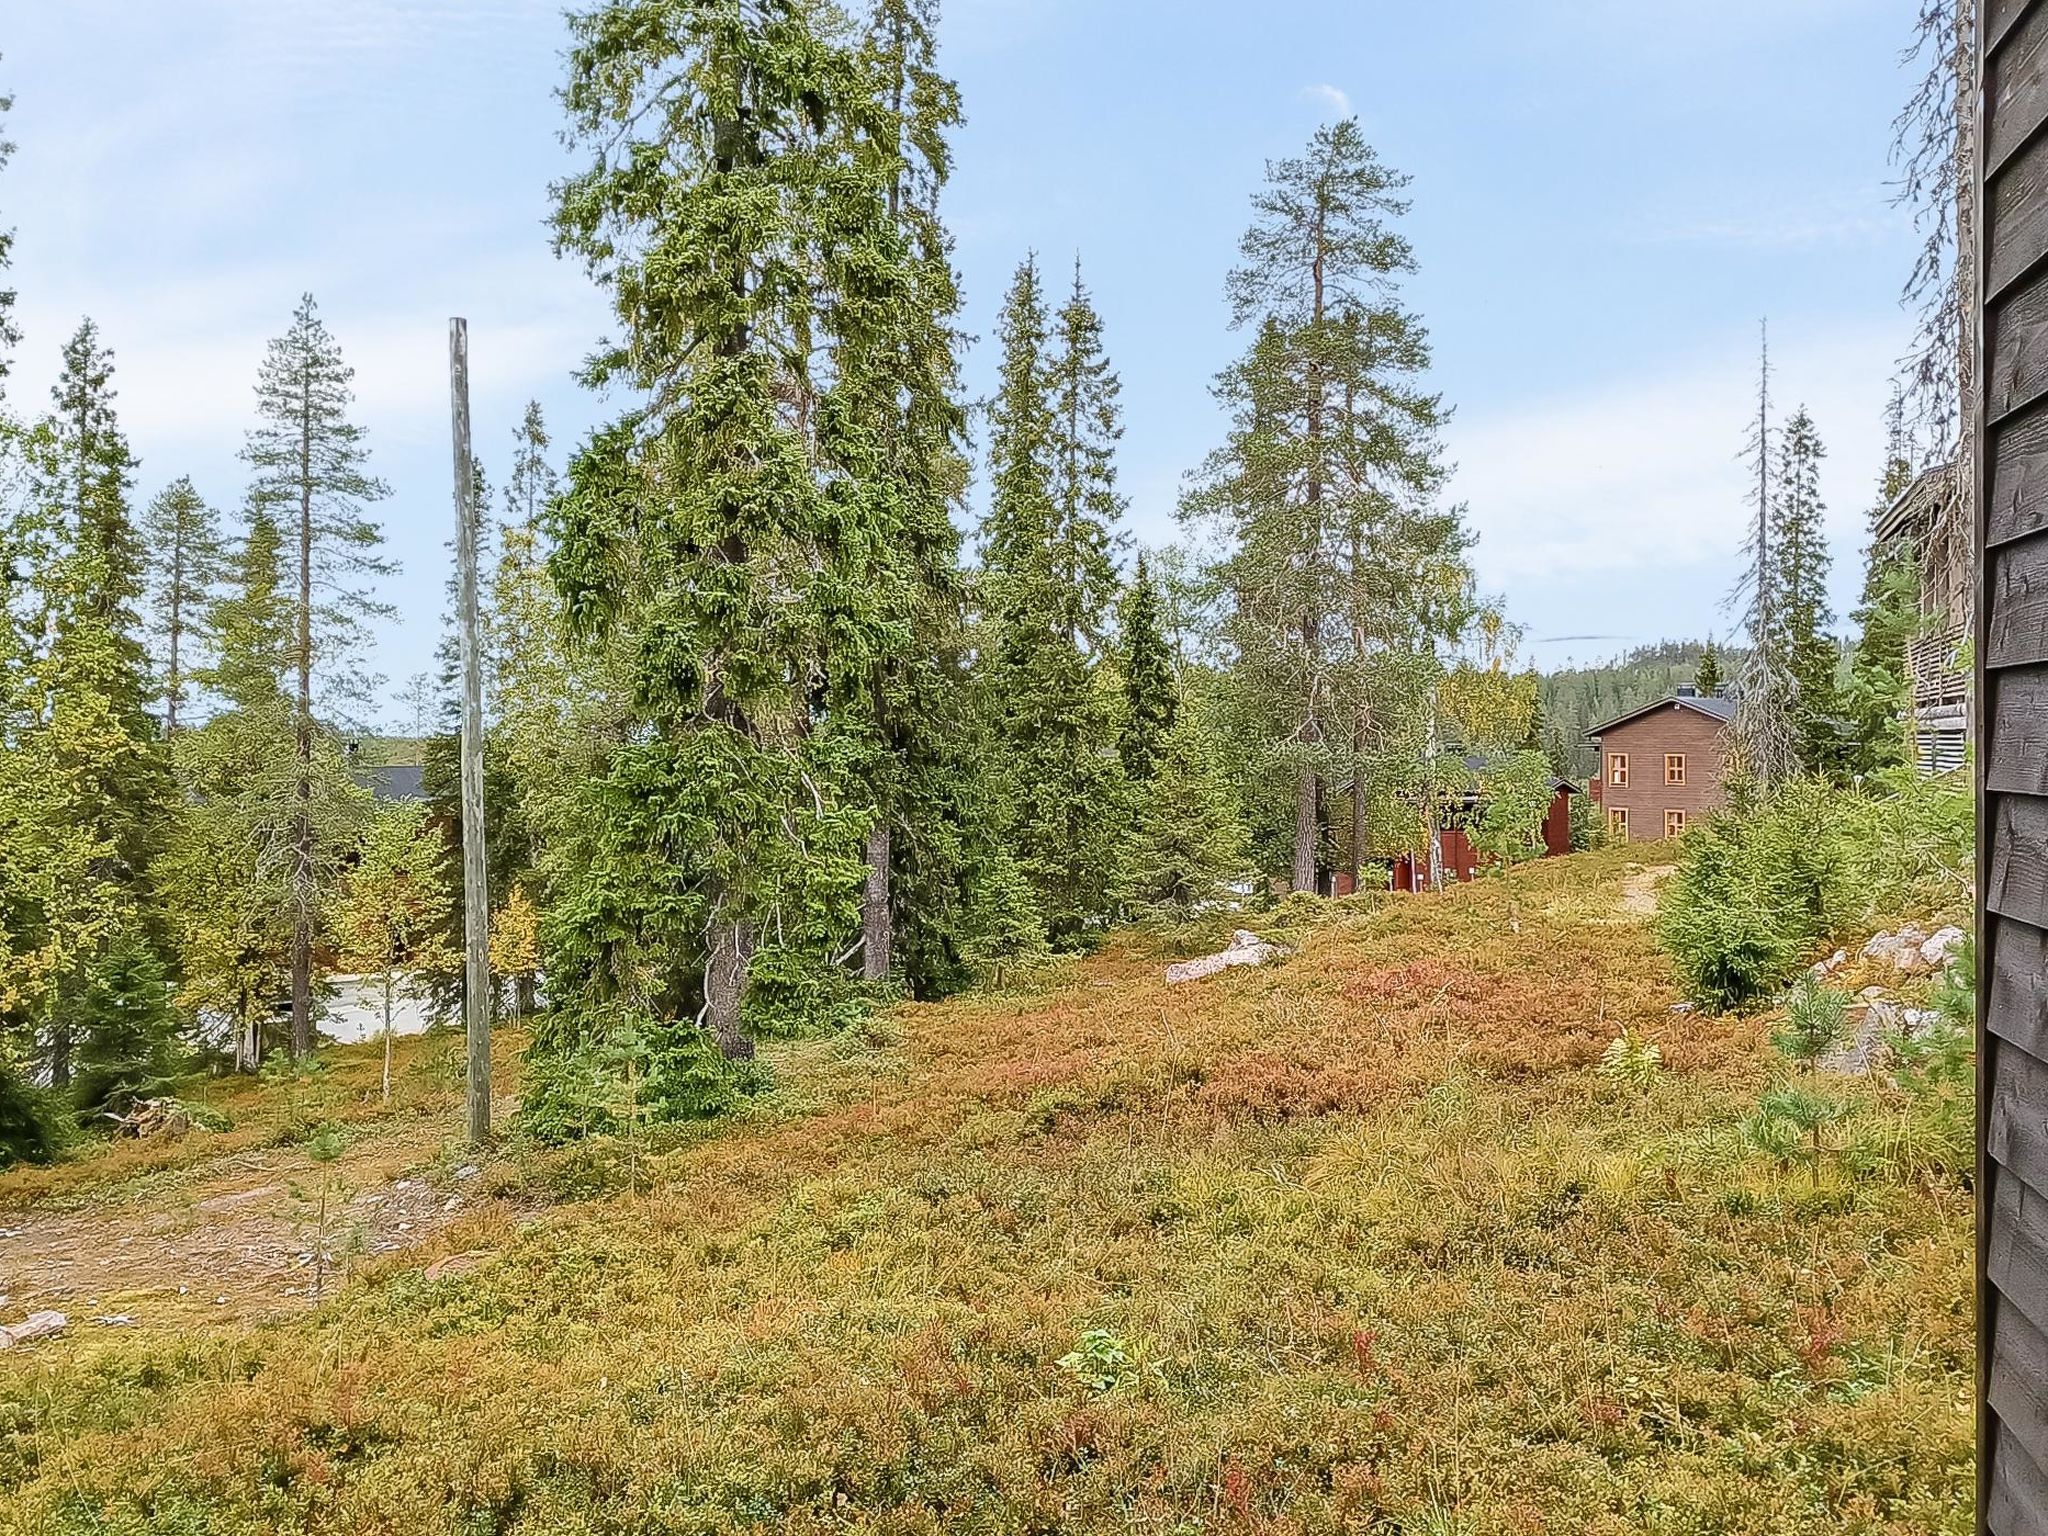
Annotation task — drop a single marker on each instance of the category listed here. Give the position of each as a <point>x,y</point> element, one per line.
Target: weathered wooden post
<point>476,900</point>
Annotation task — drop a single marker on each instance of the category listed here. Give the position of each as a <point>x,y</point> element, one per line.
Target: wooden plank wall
<point>2011,483</point>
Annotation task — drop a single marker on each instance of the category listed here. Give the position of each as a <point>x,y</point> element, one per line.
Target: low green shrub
<point>1762,883</point>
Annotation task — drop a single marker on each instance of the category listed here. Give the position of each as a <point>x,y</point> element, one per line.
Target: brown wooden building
<point>2007,399</point>
<point>1661,765</point>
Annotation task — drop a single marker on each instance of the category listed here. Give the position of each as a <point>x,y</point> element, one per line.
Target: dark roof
<point>1912,511</point>
<point>394,781</point>
<point>1714,706</point>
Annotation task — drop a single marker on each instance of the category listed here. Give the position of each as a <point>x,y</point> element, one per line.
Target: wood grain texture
<point>2017,603</point>
<point>2018,199</point>
<point>2018,883</point>
<point>1999,16</point>
<point>2018,1256</point>
<point>2018,966</point>
<point>2018,1134</point>
<point>2019,1376</point>
<point>2019,1490</point>
<point>2016,732</point>
<point>2018,349</point>
<point>2019,470</point>
<point>2016,87</point>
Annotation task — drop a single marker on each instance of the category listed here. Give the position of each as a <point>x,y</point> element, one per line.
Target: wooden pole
<point>476,900</point>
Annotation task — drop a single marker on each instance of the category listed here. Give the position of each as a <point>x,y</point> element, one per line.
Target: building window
<point>1617,769</point>
<point>1674,767</point>
<point>1674,823</point>
<point>1617,823</point>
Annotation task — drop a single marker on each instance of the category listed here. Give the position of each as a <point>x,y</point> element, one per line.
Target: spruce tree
<point>1189,848</point>
<point>1059,778</point>
<point>310,471</point>
<point>92,791</point>
<point>724,529</point>
<point>1764,749</point>
<point>227,874</point>
<point>1706,673</point>
<point>184,541</point>
<point>1800,605</point>
<point>1087,424</point>
<point>903,724</point>
<point>1151,691</point>
<point>1878,698</point>
<point>129,1045</point>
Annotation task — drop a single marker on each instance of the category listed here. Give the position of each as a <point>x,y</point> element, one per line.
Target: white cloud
<point>1335,100</point>
<point>1631,496</point>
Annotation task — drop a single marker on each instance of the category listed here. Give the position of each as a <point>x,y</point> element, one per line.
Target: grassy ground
<point>1363,1242</point>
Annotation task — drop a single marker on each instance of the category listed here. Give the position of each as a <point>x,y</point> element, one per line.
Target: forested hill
<point>1577,698</point>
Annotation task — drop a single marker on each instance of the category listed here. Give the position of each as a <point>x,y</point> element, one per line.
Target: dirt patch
<point>251,1237</point>
<point>1639,889</point>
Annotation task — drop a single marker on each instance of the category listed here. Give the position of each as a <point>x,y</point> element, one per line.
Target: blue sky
<point>1608,194</point>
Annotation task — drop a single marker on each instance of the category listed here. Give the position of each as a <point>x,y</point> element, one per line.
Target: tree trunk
<point>387,1035</point>
<point>877,922</point>
<point>1357,858</point>
<point>302,826</point>
<point>1305,831</point>
<point>725,984</point>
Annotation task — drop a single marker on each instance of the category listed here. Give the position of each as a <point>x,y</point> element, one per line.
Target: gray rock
<point>37,1325</point>
<point>1246,948</point>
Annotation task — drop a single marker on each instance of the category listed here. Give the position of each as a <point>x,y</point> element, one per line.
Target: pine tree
<point>1801,606</point>
<point>1190,847</point>
<point>725,528</point>
<point>1336,557</point>
<point>184,541</point>
<point>1059,778</point>
<point>1151,691</point>
<point>310,471</point>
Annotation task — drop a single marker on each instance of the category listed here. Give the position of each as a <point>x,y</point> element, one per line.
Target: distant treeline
<point>1577,698</point>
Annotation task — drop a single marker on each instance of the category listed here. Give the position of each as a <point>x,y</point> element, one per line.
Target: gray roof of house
<point>393,781</point>
<point>1715,706</point>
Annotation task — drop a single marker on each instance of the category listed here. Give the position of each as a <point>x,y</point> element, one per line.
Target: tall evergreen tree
<point>1189,848</point>
<point>1151,691</point>
<point>310,471</point>
<point>1801,562</point>
<point>1058,771</point>
<point>1706,674</point>
<point>91,796</point>
<point>1335,555</point>
<point>184,541</point>
<point>724,529</point>
<point>1878,698</point>
<point>1765,747</point>
<point>1087,424</point>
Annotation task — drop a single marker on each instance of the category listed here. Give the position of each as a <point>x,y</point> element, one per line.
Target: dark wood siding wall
<point>2011,482</point>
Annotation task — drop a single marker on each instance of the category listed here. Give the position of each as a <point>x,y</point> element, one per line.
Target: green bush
<point>626,1072</point>
<point>31,1128</point>
<point>1761,884</point>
